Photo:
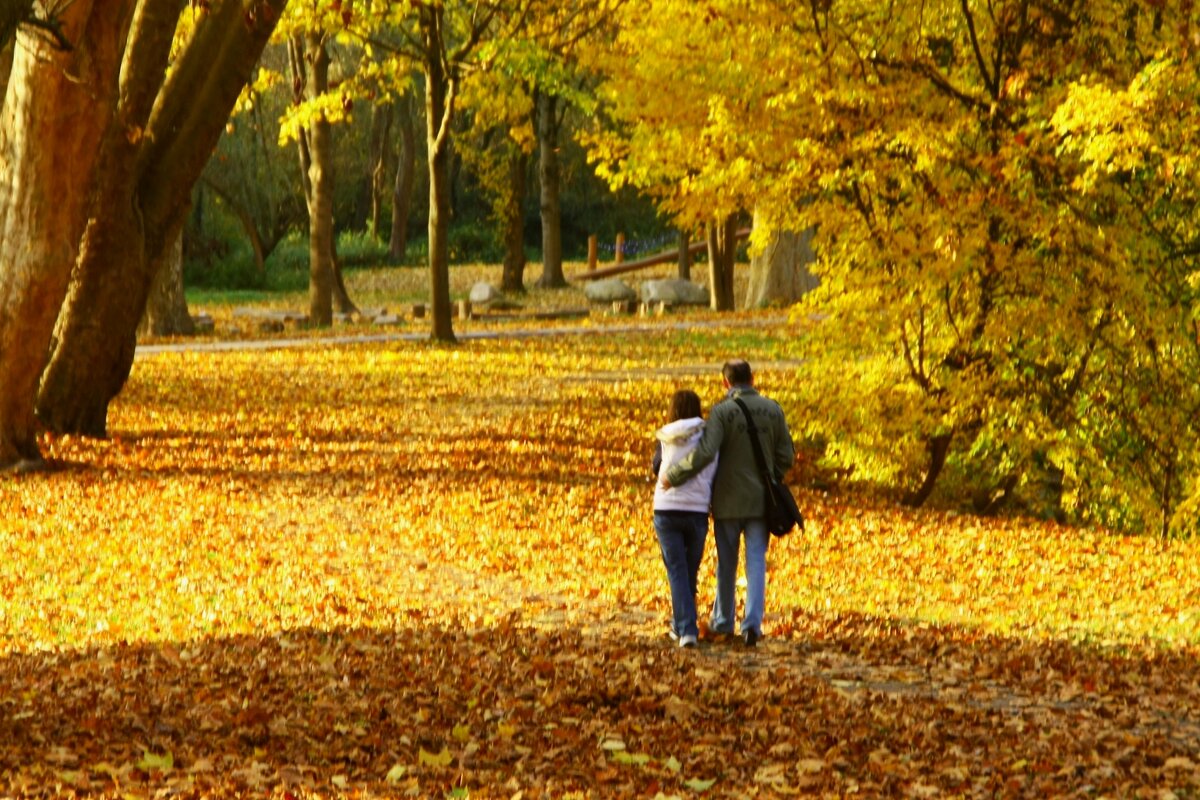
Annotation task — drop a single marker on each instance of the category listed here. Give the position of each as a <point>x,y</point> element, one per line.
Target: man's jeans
<point>728,534</point>
<point>681,536</point>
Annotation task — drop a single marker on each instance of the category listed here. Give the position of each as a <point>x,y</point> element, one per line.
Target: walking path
<point>237,345</point>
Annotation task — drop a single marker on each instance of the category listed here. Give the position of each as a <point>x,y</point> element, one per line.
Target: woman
<point>681,513</point>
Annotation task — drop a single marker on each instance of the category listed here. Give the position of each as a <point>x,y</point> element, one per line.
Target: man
<point>738,498</point>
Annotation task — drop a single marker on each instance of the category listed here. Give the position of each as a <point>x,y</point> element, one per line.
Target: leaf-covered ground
<point>405,570</point>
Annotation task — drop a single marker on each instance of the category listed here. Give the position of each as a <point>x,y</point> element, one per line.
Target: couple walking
<point>712,465</point>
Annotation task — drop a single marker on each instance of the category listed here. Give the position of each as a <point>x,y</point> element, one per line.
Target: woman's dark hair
<point>685,404</point>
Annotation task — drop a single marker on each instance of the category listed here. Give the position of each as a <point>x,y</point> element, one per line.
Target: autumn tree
<point>561,84</point>
<point>253,179</point>
<point>445,41</point>
<point>308,31</point>
<point>973,305</point>
<point>674,94</point>
<point>497,146</point>
<point>1130,145</point>
<point>105,146</point>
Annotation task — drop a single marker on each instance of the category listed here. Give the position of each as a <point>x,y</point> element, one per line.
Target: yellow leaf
<point>428,759</point>
<point>152,761</point>
<point>632,759</point>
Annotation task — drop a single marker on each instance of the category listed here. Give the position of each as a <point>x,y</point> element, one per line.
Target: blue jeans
<point>681,536</point>
<point>728,534</point>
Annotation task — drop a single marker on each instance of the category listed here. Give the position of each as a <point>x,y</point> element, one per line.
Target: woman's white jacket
<point>678,439</point>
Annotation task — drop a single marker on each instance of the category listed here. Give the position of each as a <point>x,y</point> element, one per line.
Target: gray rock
<point>674,292</point>
<point>483,293</point>
<point>203,323</point>
<point>613,290</point>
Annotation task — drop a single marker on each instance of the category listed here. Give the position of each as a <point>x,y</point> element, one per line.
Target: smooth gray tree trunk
<point>779,275</point>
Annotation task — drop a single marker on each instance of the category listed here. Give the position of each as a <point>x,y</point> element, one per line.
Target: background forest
<point>1001,200</point>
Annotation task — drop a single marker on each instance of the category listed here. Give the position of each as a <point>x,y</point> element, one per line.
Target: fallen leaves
<point>405,570</point>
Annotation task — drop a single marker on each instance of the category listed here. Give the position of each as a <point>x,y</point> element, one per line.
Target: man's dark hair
<point>737,372</point>
<point>685,404</point>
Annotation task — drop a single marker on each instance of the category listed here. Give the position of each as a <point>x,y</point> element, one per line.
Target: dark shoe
<point>750,638</point>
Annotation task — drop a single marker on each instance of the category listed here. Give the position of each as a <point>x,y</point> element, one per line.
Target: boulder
<point>483,293</point>
<point>613,290</point>
<point>674,292</point>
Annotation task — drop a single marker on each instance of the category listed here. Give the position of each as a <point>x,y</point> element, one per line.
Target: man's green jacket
<point>738,489</point>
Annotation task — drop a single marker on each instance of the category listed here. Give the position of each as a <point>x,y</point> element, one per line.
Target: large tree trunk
<point>439,111</point>
<point>513,279</point>
<point>550,174</point>
<point>779,274</point>
<point>141,198</point>
<point>402,190</point>
<point>166,308</point>
<point>722,250</point>
<point>55,112</point>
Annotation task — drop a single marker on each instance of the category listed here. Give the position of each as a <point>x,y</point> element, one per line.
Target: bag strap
<point>767,477</point>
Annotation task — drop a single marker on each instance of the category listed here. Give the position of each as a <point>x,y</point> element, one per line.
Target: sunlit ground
<point>408,568</point>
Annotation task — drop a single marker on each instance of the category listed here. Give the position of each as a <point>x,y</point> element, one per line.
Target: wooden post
<point>593,248</point>
<point>418,310</point>
<point>464,309</point>
<point>620,248</point>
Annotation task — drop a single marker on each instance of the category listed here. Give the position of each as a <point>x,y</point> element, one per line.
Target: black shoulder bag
<point>781,512</point>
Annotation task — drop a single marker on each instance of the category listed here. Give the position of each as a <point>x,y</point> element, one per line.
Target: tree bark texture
<point>320,175</point>
<point>939,448</point>
<point>722,251</point>
<point>685,256</point>
<point>162,135</point>
<point>439,110</point>
<point>550,176</point>
<point>6,61</point>
<point>779,275</point>
<point>513,276</point>
<point>12,12</point>
<point>381,130</point>
<point>56,109</point>
<point>403,186</point>
<point>166,307</point>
